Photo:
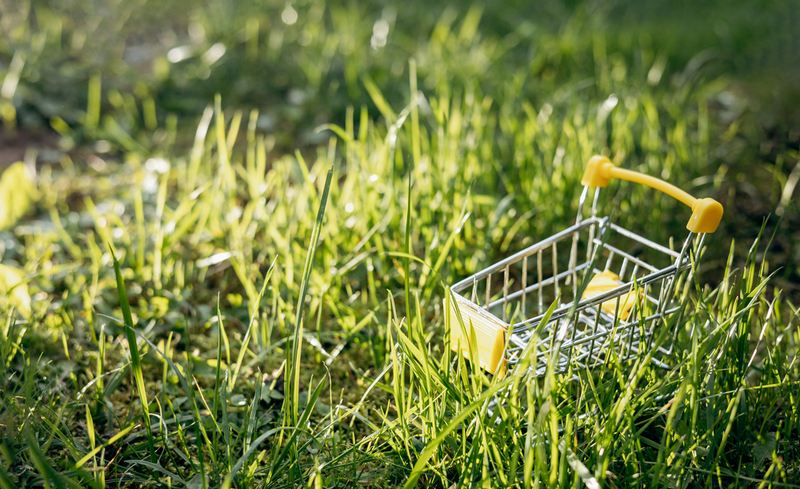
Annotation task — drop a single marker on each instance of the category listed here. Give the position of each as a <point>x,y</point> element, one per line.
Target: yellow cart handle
<point>706,213</point>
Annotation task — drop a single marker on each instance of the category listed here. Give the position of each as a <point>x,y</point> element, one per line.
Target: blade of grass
<point>218,369</point>
<point>293,391</point>
<point>249,333</point>
<point>105,444</point>
<point>134,350</point>
<point>426,454</point>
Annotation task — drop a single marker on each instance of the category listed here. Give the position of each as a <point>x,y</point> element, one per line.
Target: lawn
<point>227,248</point>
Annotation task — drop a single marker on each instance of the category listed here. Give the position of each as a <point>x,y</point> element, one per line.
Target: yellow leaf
<point>13,291</point>
<point>160,306</point>
<point>17,193</point>
<point>212,362</point>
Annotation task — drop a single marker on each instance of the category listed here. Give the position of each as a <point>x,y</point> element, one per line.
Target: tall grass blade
<point>136,363</point>
<point>292,400</point>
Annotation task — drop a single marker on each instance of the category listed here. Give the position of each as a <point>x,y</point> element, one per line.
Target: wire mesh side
<point>516,291</point>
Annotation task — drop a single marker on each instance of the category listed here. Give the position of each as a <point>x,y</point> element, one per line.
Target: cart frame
<point>619,309</point>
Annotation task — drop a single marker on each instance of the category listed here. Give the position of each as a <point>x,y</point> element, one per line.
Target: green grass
<point>212,300</point>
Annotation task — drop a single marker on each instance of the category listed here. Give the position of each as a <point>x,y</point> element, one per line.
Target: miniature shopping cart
<point>607,289</point>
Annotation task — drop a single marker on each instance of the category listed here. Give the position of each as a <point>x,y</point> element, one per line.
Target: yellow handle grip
<point>706,213</point>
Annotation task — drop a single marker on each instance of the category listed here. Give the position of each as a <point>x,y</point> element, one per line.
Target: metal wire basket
<point>501,309</point>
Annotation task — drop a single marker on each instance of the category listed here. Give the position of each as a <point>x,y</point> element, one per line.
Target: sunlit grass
<point>271,317</point>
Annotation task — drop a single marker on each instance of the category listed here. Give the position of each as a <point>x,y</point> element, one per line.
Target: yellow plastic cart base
<point>489,334</point>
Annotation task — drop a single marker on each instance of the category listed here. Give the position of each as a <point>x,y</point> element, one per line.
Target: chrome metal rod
<point>524,282</point>
<point>539,286</point>
<point>621,253</point>
<point>539,271</point>
<point>529,251</point>
<point>644,241</point>
<point>563,310</point>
